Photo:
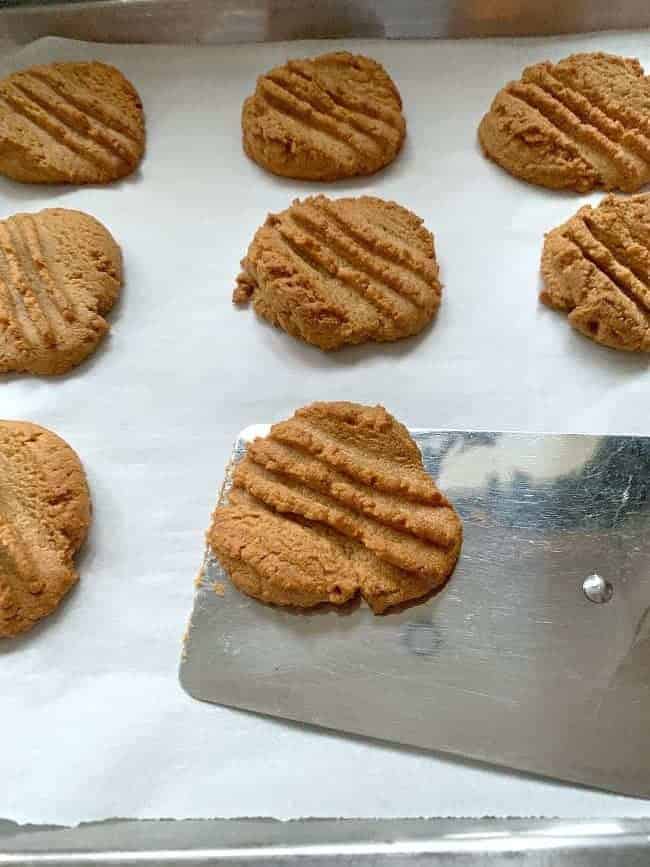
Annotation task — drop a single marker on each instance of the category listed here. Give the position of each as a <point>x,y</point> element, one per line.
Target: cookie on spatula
<point>334,502</point>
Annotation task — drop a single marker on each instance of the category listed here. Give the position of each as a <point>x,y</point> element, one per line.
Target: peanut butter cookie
<point>333,272</point>
<point>44,519</point>
<point>578,124</point>
<point>70,123</point>
<point>333,502</point>
<point>60,272</point>
<point>330,117</point>
<point>596,267</point>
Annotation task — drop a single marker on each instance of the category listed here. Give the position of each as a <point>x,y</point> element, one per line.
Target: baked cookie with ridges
<point>333,502</point>
<point>44,519</point>
<point>578,124</point>
<point>71,123</point>
<point>321,119</point>
<point>60,273</point>
<point>596,268</point>
<point>339,271</point>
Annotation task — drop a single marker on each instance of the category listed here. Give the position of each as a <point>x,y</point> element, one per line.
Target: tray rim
<point>233,21</point>
<point>319,841</point>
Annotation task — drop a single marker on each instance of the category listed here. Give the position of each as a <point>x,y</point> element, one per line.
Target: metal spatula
<point>536,655</point>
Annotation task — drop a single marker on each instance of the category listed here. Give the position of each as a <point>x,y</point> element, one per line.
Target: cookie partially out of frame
<point>338,271</point>
<point>60,273</point>
<point>579,124</point>
<point>596,268</point>
<point>333,502</point>
<point>330,117</point>
<point>44,519</point>
<point>71,123</point>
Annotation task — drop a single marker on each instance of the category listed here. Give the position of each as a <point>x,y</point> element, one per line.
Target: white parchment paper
<point>93,723</point>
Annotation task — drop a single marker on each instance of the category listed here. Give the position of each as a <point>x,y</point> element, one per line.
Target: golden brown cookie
<point>596,267</point>
<point>333,502</point>
<point>60,272</point>
<point>330,117</point>
<point>578,124</point>
<point>44,519</point>
<point>337,271</point>
<point>73,123</point>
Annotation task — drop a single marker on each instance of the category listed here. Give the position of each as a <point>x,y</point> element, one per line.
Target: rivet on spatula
<point>597,588</point>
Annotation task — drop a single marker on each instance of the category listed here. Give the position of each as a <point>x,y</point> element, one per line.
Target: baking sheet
<point>92,717</point>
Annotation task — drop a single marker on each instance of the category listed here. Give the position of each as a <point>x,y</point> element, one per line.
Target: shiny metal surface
<point>598,589</point>
<point>493,842</point>
<point>510,663</point>
<point>214,21</point>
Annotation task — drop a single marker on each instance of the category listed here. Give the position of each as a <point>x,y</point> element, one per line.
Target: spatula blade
<point>516,661</point>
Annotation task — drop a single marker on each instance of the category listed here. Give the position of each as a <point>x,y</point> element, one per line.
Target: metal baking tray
<point>214,21</point>
<point>535,842</point>
<point>440,842</point>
